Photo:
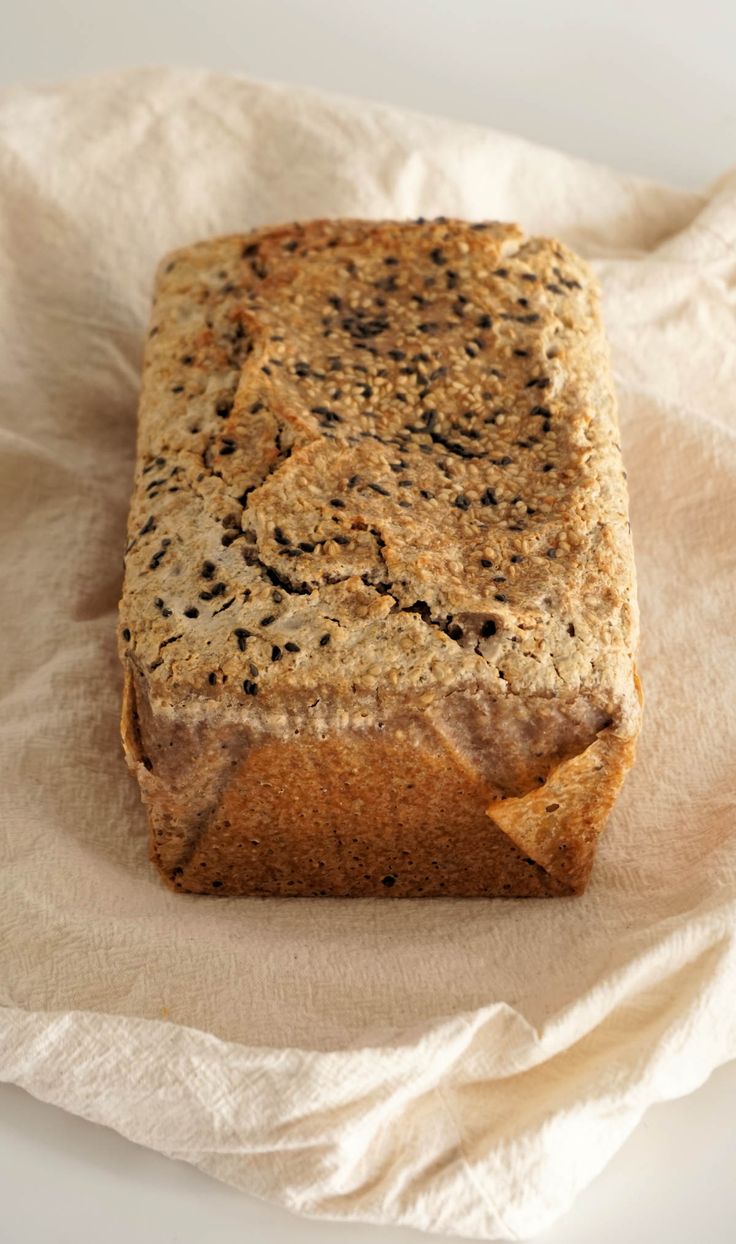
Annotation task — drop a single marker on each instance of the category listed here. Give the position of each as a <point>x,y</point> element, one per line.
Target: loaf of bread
<point>379,623</point>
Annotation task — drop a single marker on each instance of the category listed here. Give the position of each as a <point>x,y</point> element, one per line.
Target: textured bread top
<point>378,459</point>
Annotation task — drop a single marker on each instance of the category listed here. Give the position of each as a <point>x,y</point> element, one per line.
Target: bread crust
<point>379,618</point>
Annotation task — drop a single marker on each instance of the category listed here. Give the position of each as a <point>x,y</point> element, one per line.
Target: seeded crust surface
<point>379,621</point>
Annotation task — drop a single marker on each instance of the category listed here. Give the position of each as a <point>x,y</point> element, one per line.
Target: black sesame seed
<point>438,256</point>
<point>292,647</point>
<point>455,631</point>
<point>383,492</point>
<point>205,596</point>
<point>485,321</point>
<point>516,558</point>
<point>500,596</point>
<point>488,628</point>
<point>223,409</point>
<point>187,359</point>
<point>177,388</point>
<point>489,497</point>
<point>306,546</point>
<point>486,563</point>
<point>269,618</point>
<point>279,536</point>
<point>275,653</point>
<point>552,553</point>
<point>548,466</point>
<point>250,688</point>
<point>462,502</point>
<point>126,634</point>
<point>343,540</point>
<point>242,636</point>
<point>337,504</point>
<point>218,589</point>
<point>364,328</point>
<point>325,639</point>
<point>216,885</point>
<point>254,409</point>
<point>389,880</point>
<point>208,570</point>
<point>212,679</point>
<point>250,249</point>
<point>191,612</point>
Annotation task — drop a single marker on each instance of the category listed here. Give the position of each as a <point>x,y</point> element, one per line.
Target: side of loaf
<point>378,624</point>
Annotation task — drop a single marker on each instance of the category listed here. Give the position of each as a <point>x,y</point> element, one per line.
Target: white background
<point>649,87</point>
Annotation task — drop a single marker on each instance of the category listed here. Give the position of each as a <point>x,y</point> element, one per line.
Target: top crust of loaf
<point>379,462</point>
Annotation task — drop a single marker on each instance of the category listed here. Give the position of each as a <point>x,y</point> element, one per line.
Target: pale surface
<point>677,1169</point>
<point>647,87</point>
<point>517,1028</point>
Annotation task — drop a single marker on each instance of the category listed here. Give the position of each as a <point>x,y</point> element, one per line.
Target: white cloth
<point>460,1066</point>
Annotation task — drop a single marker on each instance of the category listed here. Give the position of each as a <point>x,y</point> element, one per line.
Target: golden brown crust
<point>379,489</point>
